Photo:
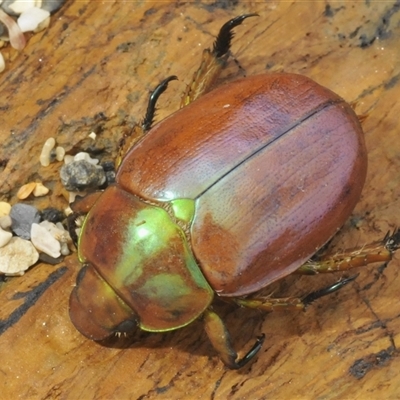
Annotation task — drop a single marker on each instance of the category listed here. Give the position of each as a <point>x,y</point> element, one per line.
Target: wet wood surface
<point>92,71</point>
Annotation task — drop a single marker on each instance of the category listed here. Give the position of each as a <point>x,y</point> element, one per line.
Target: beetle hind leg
<point>213,61</point>
<point>378,251</point>
<point>220,339</point>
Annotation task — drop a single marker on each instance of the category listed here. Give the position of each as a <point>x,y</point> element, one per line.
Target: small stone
<point>40,190</point>
<point>23,216</point>
<point>60,153</point>
<point>25,190</point>
<point>44,241</point>
<point>68,159</point>
<point>86,156</point>
<point>50,260</point>
<point>46,151</point>
<point>2,61</point>
<point>110,177</point>
<point>53,215</point>
<point>65,249</point>
<point>81,175</point>
<point>31,18</point>
<point>16,7</point>
<point>5,222</point>
<point>5,237</point>
<point>52,5</point>
<point>17,256</point>
<point>5,208</point>
<point>58,231</point>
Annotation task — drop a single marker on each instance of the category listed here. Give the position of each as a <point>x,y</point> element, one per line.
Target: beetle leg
<point>139,130</point>
<point>212,62</point>
<point>221,340</point>
<point>378,251</point>
<point>291,303</point>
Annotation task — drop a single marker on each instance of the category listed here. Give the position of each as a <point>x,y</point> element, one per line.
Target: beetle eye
<point>127,326</point>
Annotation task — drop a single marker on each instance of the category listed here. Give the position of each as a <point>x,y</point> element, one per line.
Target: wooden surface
<point>104,57</point>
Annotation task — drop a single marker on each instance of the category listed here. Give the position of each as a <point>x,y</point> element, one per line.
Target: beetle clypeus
<point>227,195</point>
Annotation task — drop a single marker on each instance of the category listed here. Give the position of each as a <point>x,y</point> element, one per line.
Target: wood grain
<point>92,70</point>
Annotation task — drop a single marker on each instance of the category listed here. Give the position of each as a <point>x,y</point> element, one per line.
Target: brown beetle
<point>229,194</point>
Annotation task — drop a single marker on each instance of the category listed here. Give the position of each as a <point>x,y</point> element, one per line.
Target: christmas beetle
<point>234,191</point>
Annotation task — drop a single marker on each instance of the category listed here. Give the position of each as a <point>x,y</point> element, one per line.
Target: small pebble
<point>40,190</point>
<point>52,5</point>
<point>25,190</point>
<point>5,208</point>
<point>31,18</point>
<point>46,151</point>
<point>92,135</point>
<point>16,7</point>
<point>23,216</point>
<point>17,256</point>
<point>60,153</point>
<point>5,237</point>
<point>53,215</point>
<point>5,222</point>
<point>110,177</point>
<point>50,260</point>
<point>86,156</point>
<point>44,241</point>
<point>65,249</point>
<point>81,175</point>
<point>58,231</point>
<point>2,63</point>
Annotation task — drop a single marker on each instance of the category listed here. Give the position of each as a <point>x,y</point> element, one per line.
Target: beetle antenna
<point>151,106</point>
<point>327,290</point>
<point>223,42</point>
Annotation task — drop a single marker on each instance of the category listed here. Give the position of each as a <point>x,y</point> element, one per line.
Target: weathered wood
<point>104,57</point>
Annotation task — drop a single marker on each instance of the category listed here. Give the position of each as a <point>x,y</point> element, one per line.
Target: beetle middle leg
<point>291,303</point>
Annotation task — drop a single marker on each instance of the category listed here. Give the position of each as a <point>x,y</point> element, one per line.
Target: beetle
<point>237,189</point>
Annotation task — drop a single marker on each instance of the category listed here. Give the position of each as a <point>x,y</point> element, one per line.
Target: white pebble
<point>5,208</point>
<point>58,231</point>
<point>5,237</point>
<point>42,25</point>
<point>44,241</point>
<point>19,6</point>
<point>60,153</point>
<point>2,63</point>
<point>5,222</point>
<point>65,249</point>
<point>46,150</point>
<point>30,19</point>
<point>85,156</point>
<point>17,256</point>
<point>40,190</point>
<point>68,159</point>
<point>92,135</point>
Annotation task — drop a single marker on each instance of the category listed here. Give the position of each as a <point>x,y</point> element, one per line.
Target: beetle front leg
<point>220,339</point>
<point>212,62</point>
<point>379,251</point>
<point>139,130</point>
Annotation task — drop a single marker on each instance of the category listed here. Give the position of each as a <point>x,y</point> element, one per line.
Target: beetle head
<point>96,310</point>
